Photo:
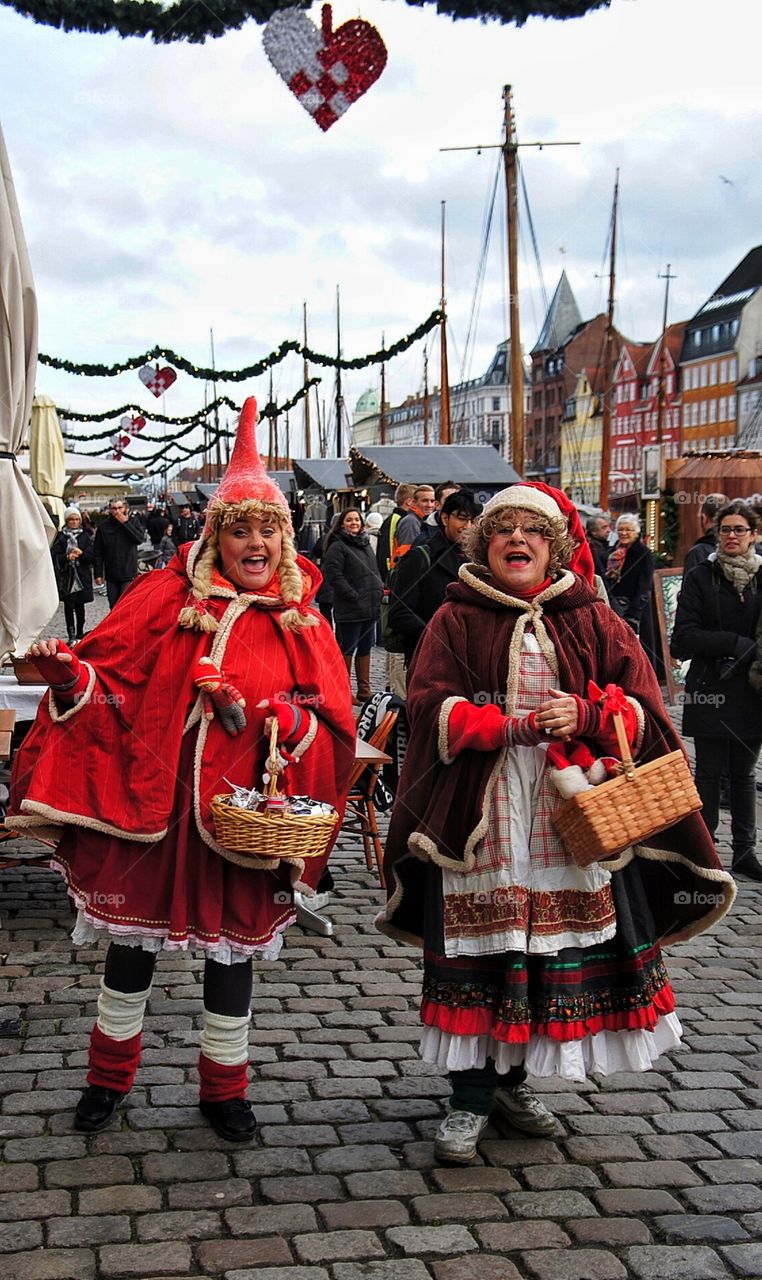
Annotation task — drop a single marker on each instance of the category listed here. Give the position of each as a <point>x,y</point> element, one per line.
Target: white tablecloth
<point>21,698</point>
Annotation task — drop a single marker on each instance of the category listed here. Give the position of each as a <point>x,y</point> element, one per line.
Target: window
<point>703,375</point>
<point>732,368</point>
<point>694,414</point>
<point>712,442</point>
<point>686,415</point>
<point>712,410</point>
<point>496,404</point>
<point>702,413</point>
<point>713,373</point>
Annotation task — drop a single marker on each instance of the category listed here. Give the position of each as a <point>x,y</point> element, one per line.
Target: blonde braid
<point>191,617</point>
<point>292,589</point>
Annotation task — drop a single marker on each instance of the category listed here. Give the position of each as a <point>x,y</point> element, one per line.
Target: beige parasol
<point>28,592</point>
<point>46,456</point>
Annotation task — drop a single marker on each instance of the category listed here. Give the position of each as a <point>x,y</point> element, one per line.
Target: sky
<point>167,191</point>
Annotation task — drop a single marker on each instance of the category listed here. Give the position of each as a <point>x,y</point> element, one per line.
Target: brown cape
<point>442,809</point>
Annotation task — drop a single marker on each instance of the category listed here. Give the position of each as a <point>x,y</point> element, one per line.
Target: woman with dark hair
<point>715,626</point>
<point>530,962</point>
<point>350,569</point>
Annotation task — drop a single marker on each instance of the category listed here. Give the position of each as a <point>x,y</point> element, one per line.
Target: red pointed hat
<point>246,479</point>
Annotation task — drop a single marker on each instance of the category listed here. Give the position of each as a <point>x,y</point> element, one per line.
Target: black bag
<point>70,582</point>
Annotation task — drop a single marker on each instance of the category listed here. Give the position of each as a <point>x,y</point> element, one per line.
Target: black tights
<point>227,987</point>
<point>75,618</point>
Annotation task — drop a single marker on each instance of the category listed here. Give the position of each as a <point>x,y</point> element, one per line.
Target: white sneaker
<point>458,1135</point>
<point>523,1110</point>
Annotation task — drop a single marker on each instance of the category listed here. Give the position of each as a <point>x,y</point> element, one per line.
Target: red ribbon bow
<point>612,699</point>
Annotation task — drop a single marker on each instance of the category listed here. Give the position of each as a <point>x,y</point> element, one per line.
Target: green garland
<point>252,370</point>
<point>195,22</point>
<point>270,410</point>
<point>188,421</point>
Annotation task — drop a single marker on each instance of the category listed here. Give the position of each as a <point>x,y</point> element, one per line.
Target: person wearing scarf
<point>629,580</point>
<point>73,546</point>
<point>718,615</point>
<point>164,705</point>
<point>532,964</point>
<point>350,568</point>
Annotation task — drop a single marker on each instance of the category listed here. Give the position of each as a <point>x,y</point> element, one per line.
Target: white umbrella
<point>28,592</point>
<point>46,456</point>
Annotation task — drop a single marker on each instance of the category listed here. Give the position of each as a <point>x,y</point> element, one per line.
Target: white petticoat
<point>88,931</point>
<point>603,1054</point>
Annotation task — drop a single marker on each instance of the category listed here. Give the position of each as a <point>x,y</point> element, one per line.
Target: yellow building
<point>581,437</point>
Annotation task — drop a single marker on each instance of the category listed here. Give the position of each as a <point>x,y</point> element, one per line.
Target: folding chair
<point>361,810</point>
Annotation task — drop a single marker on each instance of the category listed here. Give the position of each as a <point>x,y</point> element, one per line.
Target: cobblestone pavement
<point>656,1175</point>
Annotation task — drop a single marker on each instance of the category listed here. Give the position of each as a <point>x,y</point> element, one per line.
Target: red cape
<point>111,763</point>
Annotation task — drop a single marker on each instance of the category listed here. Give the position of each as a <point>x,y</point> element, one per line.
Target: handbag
<point>71,582</point>
<point>643,800</point>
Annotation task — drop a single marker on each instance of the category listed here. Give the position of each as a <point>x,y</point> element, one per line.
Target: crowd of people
<point>515,640</point>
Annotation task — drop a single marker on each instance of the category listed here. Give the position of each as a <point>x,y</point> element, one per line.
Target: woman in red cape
<point>162,706</point>
<point>531,963</point>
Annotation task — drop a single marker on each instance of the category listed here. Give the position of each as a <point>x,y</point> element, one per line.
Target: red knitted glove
<point>487,729</point>
<point>68,680</point>
<point>595,717</point>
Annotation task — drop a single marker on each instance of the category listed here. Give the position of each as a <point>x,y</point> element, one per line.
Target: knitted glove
<point>595,714</point>
<point>68,680</point>
<point>487,729</point>
<point>220,696</point>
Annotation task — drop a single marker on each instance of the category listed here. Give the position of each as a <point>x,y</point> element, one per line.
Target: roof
<point>562,318</point>
<point>322,473</point>
<point>285,481</point>
<point>431,464</point>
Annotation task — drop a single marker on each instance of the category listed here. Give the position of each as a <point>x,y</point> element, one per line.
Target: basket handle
<point>272,760</point>
<point>624,746</point>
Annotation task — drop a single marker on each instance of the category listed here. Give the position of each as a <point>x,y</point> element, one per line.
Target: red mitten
<point>487,729</point>
<point>293,724</point>
<point>68,680</point>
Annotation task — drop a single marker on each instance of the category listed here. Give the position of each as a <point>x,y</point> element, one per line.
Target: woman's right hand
<point>49,649</point>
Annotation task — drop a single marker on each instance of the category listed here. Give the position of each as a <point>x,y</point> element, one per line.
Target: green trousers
<point>474,1090</point>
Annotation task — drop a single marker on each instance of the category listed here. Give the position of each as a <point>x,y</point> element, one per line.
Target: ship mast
<point>444,378</point>
<point>608,362</point>
<point>307,432</point>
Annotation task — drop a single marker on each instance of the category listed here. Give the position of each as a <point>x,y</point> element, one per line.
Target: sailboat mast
<point>444,379</point>
<point>425,396</point>
<point>663,361</point>
<point>339,398</point>
<point>516,368</point>
<point>608,362</point>
<point>382,416</point>
<point>270,426</point>
<point>307,432</point>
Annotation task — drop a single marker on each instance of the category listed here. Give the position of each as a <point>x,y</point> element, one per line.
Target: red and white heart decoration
<point>326,70</point>
<point>157,380</point>
<point>119,443</point>
<point>132,425</point>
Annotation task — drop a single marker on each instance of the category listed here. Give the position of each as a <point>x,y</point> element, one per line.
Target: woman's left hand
<point>559,716</point>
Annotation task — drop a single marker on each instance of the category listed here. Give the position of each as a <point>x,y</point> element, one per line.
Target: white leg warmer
<point>225,1040</point>
<point>120,1013</point>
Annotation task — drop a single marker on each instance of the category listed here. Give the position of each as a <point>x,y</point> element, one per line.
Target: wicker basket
<point>600,823</point>
<point>245,836</point>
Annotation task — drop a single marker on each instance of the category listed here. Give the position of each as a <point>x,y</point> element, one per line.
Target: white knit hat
<point>528,499</point>
<point>70,512</point>
<point>373,520</point>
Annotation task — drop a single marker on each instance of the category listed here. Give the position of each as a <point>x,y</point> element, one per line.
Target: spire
<point>562,319</point>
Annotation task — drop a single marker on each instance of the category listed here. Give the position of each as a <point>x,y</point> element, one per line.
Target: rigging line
<point>481,268</point>
<point>535,245</point>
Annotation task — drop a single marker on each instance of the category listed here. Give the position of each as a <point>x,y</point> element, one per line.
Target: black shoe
<point>231,1119</point>
<point>747,864</point>
<point>96,1108</point>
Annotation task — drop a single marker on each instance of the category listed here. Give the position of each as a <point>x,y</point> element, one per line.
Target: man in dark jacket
<point>598,530</point>
<point>187,527</point>
<point>115,550</point>
<point>424,574</point>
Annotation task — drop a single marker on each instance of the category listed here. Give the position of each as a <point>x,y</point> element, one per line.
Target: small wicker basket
<point>245,836</point>
<point>600,823</point>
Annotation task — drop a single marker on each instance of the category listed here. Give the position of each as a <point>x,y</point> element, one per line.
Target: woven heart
<point>157,380</point>
<point>326,70</point>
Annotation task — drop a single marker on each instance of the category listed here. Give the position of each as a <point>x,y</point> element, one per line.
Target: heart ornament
<point>326,70</point>
<point>136,424</point>
<point>157,380</point>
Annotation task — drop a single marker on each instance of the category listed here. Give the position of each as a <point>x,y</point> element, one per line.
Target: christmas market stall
<point>380,468</point>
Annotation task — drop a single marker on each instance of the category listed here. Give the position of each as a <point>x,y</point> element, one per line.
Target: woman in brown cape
<point>531,963</point>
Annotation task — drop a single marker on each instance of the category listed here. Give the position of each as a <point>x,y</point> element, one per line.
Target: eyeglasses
<point>529,531</point>
<point>736,530</point>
